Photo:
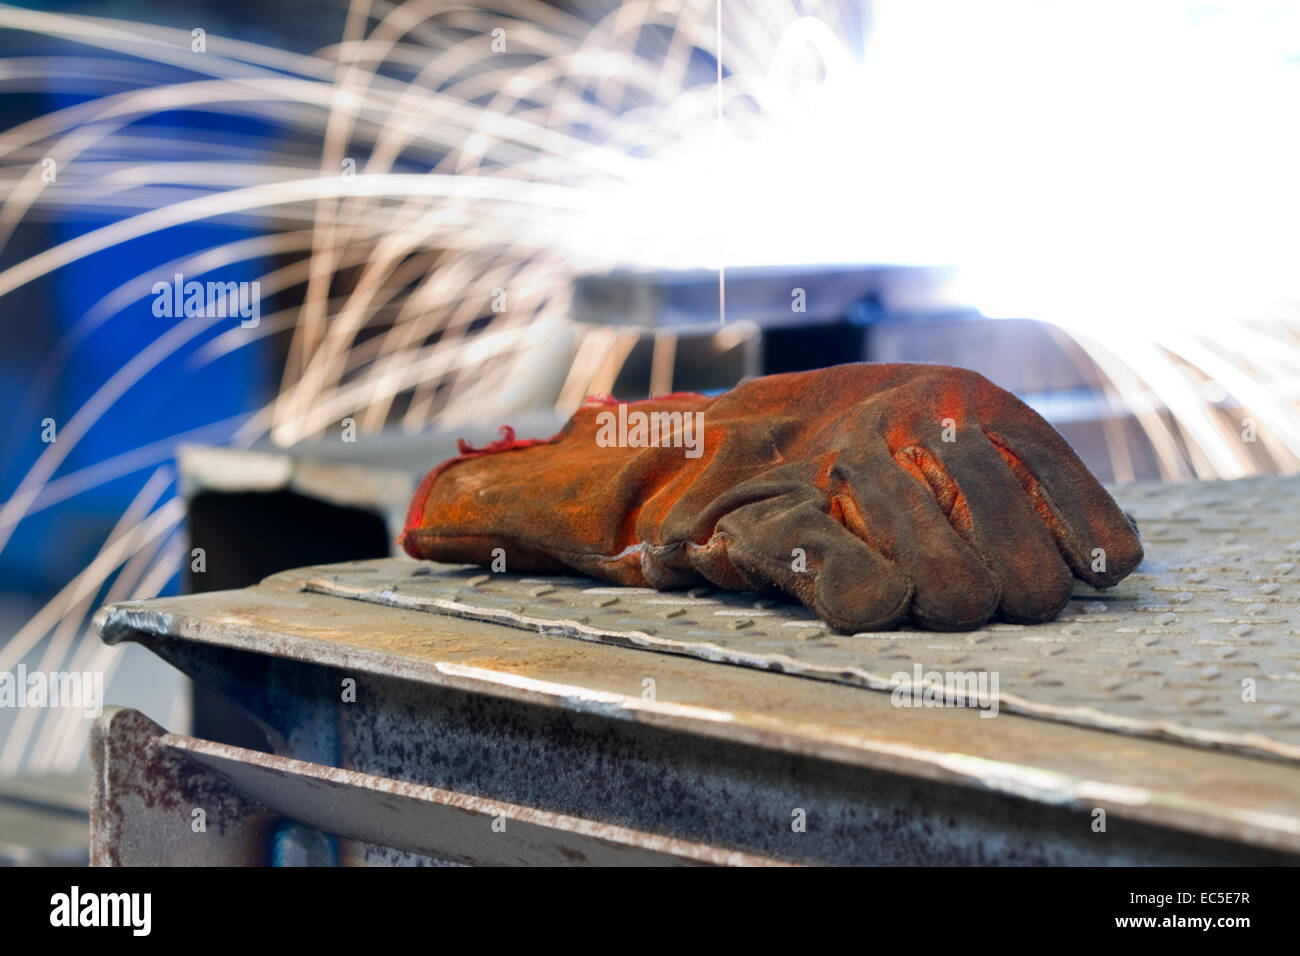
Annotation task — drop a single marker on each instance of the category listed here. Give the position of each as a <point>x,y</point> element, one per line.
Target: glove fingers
<point>952,588</point>
<point>1098,540</point>
<point>988,506</point>
<point>790,542</point>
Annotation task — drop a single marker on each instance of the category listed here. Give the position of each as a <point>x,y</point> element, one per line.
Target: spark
<point>1124,172</point>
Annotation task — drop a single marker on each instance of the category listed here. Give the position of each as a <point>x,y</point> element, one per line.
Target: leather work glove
<point>874,494</point>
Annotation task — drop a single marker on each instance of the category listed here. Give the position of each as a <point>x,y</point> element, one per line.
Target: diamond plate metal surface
<point>1200,645</point>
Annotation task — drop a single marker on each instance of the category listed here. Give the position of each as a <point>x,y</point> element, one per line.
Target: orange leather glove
<point>874,494</point>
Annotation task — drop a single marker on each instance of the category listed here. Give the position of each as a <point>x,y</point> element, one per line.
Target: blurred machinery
<point>802,317</point>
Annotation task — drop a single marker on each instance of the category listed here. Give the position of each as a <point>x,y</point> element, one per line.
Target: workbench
<point>427,714</point>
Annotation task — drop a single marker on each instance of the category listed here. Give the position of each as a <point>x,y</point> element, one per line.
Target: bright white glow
<point>1093,163</point>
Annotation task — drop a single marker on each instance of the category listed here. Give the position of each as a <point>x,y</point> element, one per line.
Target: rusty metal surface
<point>143,799</point>
<point>230,639</point>
<point>150,785</point>
<point>455,827</point>
<point>732,795</point>
<point>1201,645</point>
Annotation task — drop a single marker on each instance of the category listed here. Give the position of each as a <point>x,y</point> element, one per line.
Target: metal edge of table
<point>1216,794</point>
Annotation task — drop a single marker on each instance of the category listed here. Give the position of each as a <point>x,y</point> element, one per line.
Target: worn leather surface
<point>874,494</point>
